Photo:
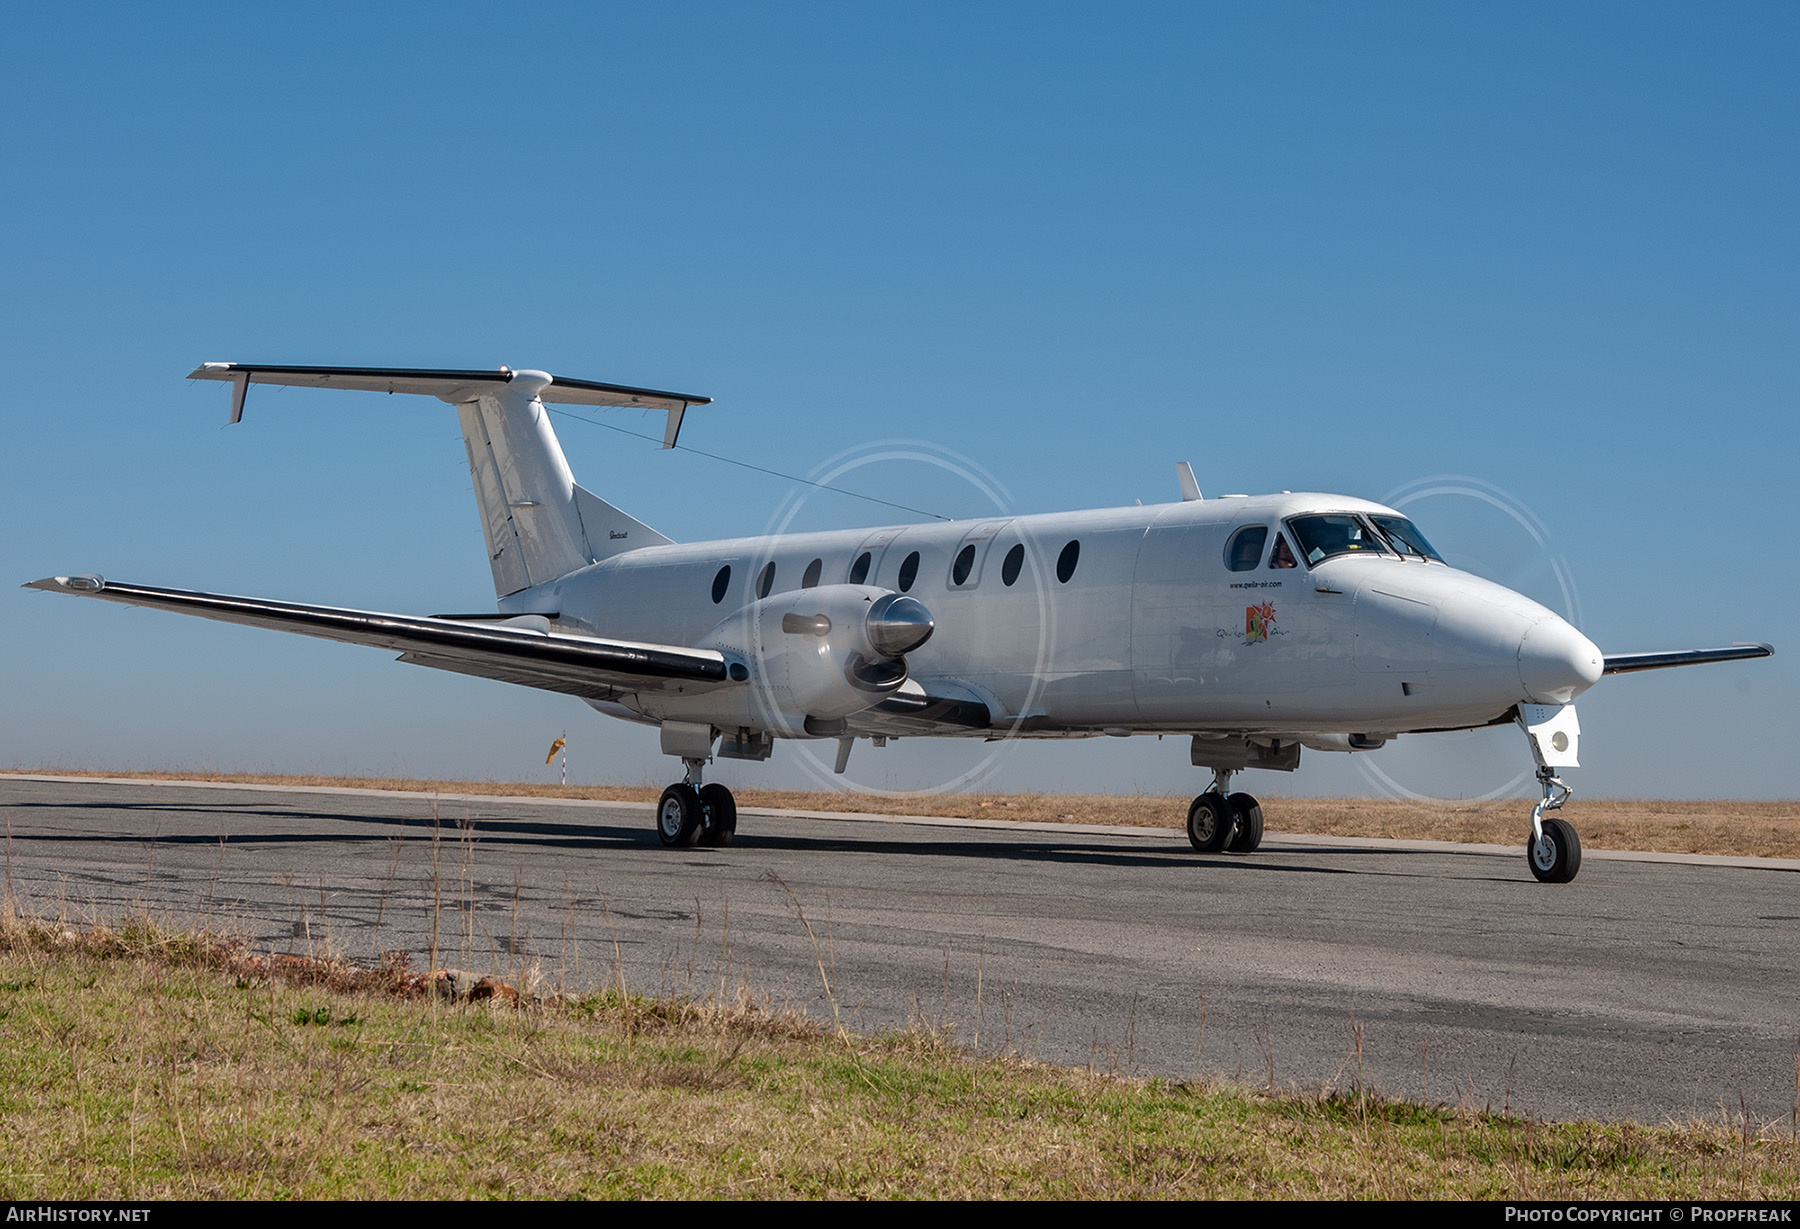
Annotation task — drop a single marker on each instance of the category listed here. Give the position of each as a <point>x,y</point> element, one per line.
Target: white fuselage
<point>1151,630</point>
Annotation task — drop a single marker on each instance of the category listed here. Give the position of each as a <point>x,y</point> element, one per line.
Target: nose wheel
<point>690,813</point>
<point>1554,851</point>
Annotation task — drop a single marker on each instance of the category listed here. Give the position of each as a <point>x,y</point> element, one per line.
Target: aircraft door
<point>1263,619</point>
<point>971,553</point>
<point>865,565</point>
<point>1223,622</point>
<point>1171,630</point>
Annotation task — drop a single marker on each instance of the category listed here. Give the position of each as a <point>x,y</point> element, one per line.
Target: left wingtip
<point>86,583</point>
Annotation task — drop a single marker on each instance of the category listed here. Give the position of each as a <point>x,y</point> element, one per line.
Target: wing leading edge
<point>523,651</point>
<point>1629,663</point>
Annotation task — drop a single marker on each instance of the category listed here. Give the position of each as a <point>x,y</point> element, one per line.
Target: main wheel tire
<point>1249,824</point>
<point>1211,824</point>
<point>1557,857</point>
<point>678,816</point>
<point>720,809</point>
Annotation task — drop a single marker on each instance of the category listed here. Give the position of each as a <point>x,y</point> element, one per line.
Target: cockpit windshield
<point>1404,536</point>
<point>1334,533</point>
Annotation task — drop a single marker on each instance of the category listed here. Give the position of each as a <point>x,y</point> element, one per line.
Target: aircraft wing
<point>520,651</point>
<point>932,707</point>
<point>1627,663</point>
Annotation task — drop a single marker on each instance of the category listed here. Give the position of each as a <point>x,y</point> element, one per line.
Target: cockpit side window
<point>1244,551</point>
<point>1404,536</point>
<point>1329,534</point>
<point>1281,556</point>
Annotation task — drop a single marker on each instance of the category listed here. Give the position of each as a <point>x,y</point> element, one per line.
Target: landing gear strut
<point>1220,821</point>
<point>1554,851</point>
<point>690,813</point>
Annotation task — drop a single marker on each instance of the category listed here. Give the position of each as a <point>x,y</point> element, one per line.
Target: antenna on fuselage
<point>1190,489</point>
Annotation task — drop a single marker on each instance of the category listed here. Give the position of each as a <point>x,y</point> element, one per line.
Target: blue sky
<point>1548,251</point>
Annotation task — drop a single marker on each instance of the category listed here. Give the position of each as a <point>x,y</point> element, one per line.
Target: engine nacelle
<point>821,654</point>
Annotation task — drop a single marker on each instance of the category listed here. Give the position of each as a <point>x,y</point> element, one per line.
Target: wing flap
<point>555,661</point>
<point>524,674</point>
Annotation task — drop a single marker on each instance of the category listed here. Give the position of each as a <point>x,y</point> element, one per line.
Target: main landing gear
<point>690,813</point>
<point>1223,822</point>
<point>1554,851</point>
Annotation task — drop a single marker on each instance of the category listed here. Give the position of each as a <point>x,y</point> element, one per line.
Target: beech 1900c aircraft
<point>1255,625</point>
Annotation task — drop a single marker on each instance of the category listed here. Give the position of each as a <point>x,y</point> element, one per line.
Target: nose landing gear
<point>1554,851</point>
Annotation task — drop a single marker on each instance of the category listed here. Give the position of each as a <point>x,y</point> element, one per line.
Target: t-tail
<point>539,524</point>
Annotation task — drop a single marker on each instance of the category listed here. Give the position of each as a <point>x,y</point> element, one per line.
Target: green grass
<point>136,1064</point>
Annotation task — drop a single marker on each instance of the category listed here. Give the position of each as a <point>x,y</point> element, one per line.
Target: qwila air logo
<point>1259,622</point>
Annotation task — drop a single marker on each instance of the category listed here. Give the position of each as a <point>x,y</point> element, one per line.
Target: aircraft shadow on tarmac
<point>496,832</point>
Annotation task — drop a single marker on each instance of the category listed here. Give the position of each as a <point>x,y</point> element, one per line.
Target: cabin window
<point>1065,562</point>
<point>811,577</point>
<point>965,563</point>
<point>1404,536</point>
<point>909,572</point>
<point>1335,533</point>
<point>721,582</point>
<point>1244,551</point>
<point>1015,560</point>
<point>766,581</point>
<point>859,571</point>
<point>1282,556</point>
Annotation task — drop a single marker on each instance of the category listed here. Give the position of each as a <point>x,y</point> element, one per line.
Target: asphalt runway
<point>1653,990</point>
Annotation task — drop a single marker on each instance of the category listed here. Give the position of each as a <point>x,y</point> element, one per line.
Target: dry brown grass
<point>1743,829</point>
<point>138,1064</point>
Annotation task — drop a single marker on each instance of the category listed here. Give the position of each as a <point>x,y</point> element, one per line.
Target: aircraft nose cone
<point>1556,662</point>
<point>898,625</point>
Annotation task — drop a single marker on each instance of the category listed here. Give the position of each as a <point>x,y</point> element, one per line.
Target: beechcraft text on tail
<point>1256,626</point>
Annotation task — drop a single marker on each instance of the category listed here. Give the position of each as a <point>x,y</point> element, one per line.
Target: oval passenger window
<point>1065,562</point>
<point>1015,559</point>
<point>766,581</point>
<point>859,571</point>
<point>909,571</point>
<point>811,577</point>
<point>965,563</point>
<point>721,582</point>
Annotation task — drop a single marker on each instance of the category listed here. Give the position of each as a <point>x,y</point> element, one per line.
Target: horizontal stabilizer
<point>1628,663</point>
<point>514,652</point>
<point>456,387</point>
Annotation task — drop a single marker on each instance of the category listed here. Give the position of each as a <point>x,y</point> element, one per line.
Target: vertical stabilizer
<point>538,524</point>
